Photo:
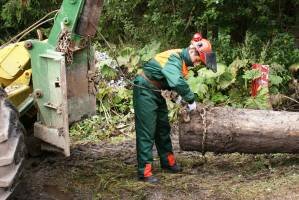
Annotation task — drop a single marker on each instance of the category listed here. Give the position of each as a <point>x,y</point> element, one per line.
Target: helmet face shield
<point>210,61</point>
<point>204,48</point>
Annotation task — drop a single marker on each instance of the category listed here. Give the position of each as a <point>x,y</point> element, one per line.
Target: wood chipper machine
<point>53,80</point>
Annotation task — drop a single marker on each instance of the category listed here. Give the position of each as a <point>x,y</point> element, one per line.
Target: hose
<point>30,28</point>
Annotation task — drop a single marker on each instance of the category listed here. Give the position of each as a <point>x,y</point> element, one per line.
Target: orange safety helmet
<point>204,49</point>
<point>197,37</point>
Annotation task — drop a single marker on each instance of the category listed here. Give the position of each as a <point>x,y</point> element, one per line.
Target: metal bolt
<point>38,93</point>
<point>66,20</point>
<point>28,45</point>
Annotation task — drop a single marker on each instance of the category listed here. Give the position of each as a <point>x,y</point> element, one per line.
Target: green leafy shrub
<point>132,59</point>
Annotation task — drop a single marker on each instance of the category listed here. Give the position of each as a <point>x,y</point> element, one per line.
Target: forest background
<point>242,33</point>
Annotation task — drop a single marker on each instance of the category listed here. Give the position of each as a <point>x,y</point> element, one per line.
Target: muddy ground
<point>107,170</point>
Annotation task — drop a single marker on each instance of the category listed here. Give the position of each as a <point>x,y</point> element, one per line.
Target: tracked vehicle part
<point>12,147</point>
<point>228,130</point>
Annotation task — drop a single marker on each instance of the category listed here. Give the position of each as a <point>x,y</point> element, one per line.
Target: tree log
<point>240,130</point>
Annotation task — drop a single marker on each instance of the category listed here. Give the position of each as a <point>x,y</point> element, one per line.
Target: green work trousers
<point>151,123</point>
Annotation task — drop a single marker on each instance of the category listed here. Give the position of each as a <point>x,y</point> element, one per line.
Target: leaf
<point>107,72</point>
<point>194,83</point>
<point>103,92</point>
<point>125,55</point>
<point>261,101</point>
<point>149,51</point>
<point>123,60</point>
<point>206,73</point>
<point>278,68</point>
<point>135,60</point>
<point>219,97</point>
<point>202,89</point>
<point>252,74</point>
<point>236,97</point>
<point>237,64</point>
<point>123,93</point>
<point>127,52</point>
<point>225,80</point>
<point>275,80</point>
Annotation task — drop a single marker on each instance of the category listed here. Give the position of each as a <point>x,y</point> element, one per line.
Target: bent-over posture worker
<point>165,71</point>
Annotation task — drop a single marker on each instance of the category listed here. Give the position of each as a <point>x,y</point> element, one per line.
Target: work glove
<point>192,106</point>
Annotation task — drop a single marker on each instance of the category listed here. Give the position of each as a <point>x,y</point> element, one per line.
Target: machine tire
<point>12,147</point>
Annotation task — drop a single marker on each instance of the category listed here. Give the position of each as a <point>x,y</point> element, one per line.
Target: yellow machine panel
<point>13,59</point>
<point>20,89</point>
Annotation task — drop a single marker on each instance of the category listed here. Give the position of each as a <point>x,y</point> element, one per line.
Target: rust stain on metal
<point>88,22</point>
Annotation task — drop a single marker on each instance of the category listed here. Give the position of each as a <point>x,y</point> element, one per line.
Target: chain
<point>203,115</point>
<point>64,46</point>
<point>93,76</point>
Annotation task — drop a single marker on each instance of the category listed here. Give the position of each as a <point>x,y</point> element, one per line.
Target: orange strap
<point>171,159</point>
<point>148,170</point>
<point>185,70</point>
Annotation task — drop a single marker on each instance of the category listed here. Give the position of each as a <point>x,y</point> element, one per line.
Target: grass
<point>232,176</point>
<point>225,176</point>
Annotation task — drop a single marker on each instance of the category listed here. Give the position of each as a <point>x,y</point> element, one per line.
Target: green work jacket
<point>168,67</point>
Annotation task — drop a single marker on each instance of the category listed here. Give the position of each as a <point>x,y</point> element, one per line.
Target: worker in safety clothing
<point>165,71</point>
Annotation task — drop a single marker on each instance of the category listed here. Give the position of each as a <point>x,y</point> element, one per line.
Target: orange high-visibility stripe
<point>185,70</point>
<point>148,170</point>
<point>171,159</point>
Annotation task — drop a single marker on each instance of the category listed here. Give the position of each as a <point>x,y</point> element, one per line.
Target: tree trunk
<point>240,130</point>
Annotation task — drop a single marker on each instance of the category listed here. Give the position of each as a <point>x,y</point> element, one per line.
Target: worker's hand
<point>192,106</point>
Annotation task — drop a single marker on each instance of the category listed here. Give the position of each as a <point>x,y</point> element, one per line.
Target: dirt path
<point>108,171</point>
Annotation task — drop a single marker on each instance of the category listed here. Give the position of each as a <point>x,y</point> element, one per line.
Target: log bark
<point>240,130</point>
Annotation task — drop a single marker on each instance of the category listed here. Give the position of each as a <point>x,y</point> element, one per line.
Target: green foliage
<point>173,22</point>
<point>113,100</point>
<point>275,80</point>
<point>173,111</point>
<point>261,101</point>
<point>107,72</point>
<point>207,85</point>
<point>229,86</point>
<point>251,75</point>
<point>132,58</point>
<point>255,50</point>
<point>242,33</point>
<point>115,103</point>
<point>17,15</point>
<point>114,115</point>
<point>97,128</point>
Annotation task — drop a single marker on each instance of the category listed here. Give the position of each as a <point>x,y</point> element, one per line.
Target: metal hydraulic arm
<point>63,72</point>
